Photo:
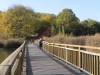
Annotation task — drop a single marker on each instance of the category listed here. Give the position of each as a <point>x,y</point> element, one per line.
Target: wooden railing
<point>76,55</point>
<point>12,65</point>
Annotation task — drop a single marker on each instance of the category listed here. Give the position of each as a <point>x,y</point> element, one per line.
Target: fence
<point>12,65</point>
<point>76,55</point>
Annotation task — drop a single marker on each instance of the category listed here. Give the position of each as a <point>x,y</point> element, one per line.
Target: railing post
<point>9,71</point>
<point>79,58</point>
<point>66,53</point>
<point>53,48</point>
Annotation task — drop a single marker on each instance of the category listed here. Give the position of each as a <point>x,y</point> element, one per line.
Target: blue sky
<point>83,8</point>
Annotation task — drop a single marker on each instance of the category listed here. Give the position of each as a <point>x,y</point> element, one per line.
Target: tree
<point>47,23</point>
<point>91,26</point>
<point>4,28</point>
<point>68,19</point>
<point>20,21</point>
<point>19,17</point>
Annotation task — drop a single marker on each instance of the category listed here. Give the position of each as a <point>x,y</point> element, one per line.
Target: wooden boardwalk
<point>36,62</point>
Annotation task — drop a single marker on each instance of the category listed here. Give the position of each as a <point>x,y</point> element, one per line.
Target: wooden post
<point>66,54</point>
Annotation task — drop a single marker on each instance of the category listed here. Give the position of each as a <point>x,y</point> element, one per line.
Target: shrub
<point>13,43</point>
<point>2,43</point>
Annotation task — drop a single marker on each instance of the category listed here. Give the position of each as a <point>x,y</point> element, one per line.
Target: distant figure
<point>41,43</point>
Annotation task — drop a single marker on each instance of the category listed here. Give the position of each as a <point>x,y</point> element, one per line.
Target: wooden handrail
<point>76,56</point>
<point>7,67</point>
<point>70,45</point>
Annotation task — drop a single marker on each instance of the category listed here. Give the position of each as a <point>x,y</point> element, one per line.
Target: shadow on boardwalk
<point>28,64</point>
<point>67,66</point>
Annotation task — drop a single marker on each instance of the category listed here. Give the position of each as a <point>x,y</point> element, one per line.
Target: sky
<point>83,9</point>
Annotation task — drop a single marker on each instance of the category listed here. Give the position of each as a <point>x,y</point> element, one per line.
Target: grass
<point>93,40</point>
<point>67,39</point>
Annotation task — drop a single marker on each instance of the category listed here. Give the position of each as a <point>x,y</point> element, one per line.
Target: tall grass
<point>93,40</point>
<point>67,39</point>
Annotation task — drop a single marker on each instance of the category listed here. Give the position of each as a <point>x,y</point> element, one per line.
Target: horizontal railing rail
<point>12,65</point>
<point>82,57</point>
